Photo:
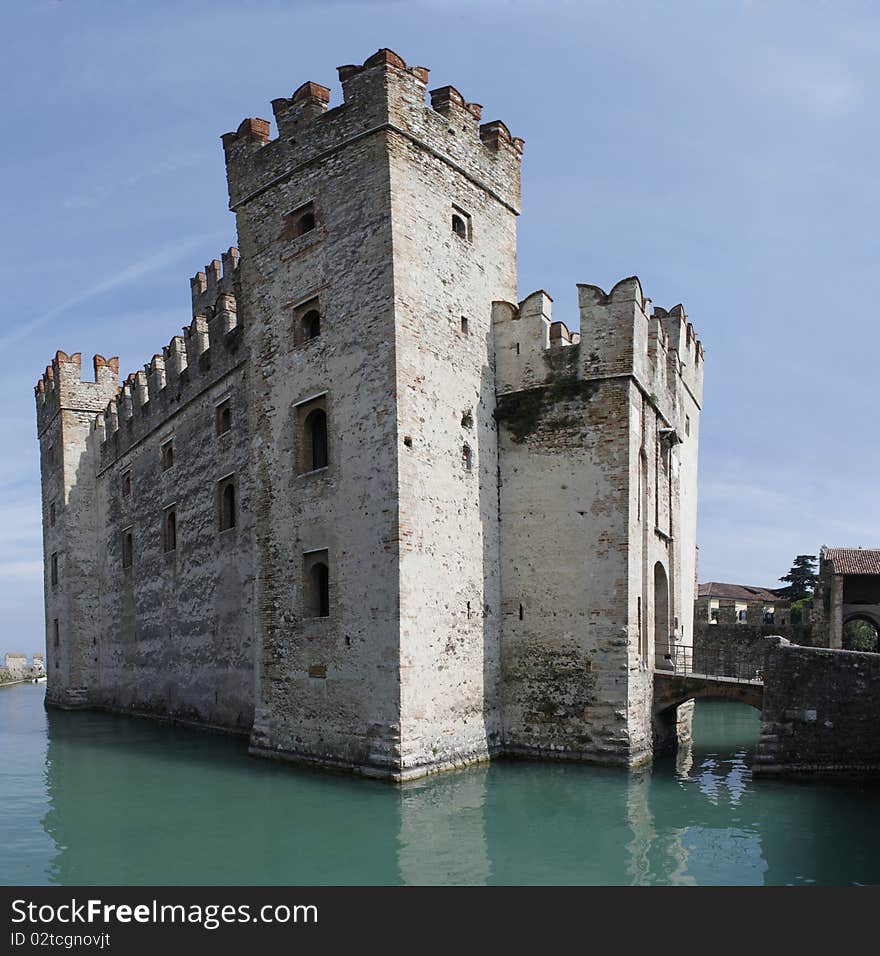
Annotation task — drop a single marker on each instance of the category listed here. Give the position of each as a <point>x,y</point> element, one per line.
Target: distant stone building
<point>15,668</point>
<point>369,509</point>
<point>846,604</point>
<point>731,622</point>
<point>741,604</point>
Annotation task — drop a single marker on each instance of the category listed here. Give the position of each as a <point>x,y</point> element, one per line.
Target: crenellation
<point>175,358</point>
<point>306,104</point>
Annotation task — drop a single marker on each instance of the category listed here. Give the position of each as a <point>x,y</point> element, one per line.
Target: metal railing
<point>679,660</point>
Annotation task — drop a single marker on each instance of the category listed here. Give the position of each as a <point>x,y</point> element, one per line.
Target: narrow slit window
<point>467,457</point>
<point>127,548</point>
<point>126,484</point>
<point>168,454</point>
<point>227,504</point>
<point>56,633</point>
<point>464,325</point>
<point>54,568</point>
<point>169,530</point>
<point>316,434</point>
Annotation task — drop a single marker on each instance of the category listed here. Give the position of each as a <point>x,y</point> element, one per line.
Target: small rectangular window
<point>54,568</point>
<point>56,633</point>
<point>461,224</point>
<point>169,529</point>
<point>52,514</point>
<point>126,484</point>
<point>224,416</point>
<point>464,325</point>
<point>127,548</point>
<point>167,454</point>
<point>226,503</point>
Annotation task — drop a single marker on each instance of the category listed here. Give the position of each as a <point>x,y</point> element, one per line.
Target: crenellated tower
<point>388,224</point>
<point>597,497</point>
<point>66,409</point>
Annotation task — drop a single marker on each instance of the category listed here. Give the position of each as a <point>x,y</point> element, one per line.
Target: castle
<point>368,510</point>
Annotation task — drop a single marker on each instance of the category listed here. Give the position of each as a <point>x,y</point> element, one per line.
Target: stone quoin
<point>370,509</point>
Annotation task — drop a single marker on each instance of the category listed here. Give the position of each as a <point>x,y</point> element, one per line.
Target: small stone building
<point>846,604</point>
<point>371,509</point>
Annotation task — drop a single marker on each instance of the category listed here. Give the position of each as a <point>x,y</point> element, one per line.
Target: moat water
<point>96,799</point>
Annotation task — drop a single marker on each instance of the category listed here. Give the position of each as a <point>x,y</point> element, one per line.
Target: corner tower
<point>374,238</point>
<point>66,409</point>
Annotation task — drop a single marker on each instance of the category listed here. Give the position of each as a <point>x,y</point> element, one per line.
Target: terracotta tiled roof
<point>853,560</point>
<point>738,592</point>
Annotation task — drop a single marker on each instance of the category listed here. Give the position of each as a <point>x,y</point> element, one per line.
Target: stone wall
<point>821,711</point>
<point>737,650</point>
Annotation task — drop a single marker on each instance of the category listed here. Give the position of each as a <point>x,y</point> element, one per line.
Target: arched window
<point>311,324</point>
<point>316,583</point>
<point>316,436</point>
<point>227,504</point>
<point>300,221</point>
<point>224,417</point>
<point>459,226</point>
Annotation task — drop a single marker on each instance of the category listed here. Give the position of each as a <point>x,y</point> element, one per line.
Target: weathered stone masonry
<point>457,528</point>
<point>820,711</point>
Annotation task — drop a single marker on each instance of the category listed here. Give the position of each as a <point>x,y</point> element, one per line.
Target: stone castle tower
<point>367,509</point>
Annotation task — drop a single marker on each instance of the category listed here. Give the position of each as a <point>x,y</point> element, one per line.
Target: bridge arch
<point>707,689</point>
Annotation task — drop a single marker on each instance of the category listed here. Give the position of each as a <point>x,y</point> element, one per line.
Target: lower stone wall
<point>737,650</point>
<point>821,711</point>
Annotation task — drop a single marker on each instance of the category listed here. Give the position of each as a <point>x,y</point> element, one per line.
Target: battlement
<point>218,279</point>
<point>63,387</point>
<point>205,351</point>
<point>382,94</point>
<point>620,334</point>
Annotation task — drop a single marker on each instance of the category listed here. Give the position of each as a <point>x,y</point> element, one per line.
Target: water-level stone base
<point>374,770</point>
<point>377,770</point>
<point>168,719</point>
<point>600,758</point>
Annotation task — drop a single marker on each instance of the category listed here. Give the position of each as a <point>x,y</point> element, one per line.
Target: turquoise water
<point>92,798</point>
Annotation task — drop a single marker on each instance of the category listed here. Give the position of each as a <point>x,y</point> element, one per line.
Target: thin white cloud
<point>149,264</point>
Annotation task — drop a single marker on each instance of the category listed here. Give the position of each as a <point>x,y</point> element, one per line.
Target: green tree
<point>801,578</point>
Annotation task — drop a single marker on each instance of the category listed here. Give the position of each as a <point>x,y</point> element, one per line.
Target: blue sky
<point>727,153</point>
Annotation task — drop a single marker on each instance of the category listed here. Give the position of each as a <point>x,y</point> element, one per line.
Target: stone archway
<point>662,650</point>
<point>861,633</point>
